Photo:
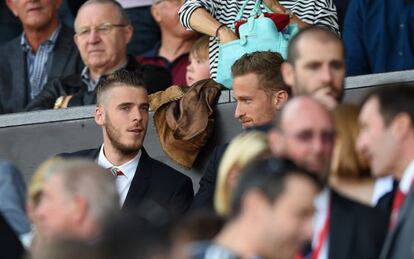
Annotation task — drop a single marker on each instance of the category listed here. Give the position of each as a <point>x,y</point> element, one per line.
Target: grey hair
<point>118,6</point>
<point>81,177</point>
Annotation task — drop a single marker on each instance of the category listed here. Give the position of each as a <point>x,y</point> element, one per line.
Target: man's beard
<point>114,138</point>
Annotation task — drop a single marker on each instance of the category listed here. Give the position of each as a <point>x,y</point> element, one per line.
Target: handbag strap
<point>255,11</point>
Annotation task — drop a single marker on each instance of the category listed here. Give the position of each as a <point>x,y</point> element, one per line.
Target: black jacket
<point>153,181</point>
<point>156,79</point>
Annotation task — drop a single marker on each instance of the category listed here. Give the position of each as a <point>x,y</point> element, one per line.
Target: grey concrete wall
<point>26,139</point>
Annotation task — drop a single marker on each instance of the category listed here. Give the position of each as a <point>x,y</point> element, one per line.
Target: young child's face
<point>198,69</point>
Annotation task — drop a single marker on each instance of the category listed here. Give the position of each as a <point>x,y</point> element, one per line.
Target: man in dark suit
<point>305,133</point>
<point>44,51</point>
<point>122,112</point>
<point>387,139</point>
<point>102,33</point>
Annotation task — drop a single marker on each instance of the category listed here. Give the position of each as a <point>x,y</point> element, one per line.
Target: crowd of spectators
<point>298,182</point>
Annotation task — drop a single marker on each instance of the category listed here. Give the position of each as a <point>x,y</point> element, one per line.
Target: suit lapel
<point>61,53</point>
<point>18,68</point>
<point>139,184</point>
<point>341,227</point>
<point>402,217</point>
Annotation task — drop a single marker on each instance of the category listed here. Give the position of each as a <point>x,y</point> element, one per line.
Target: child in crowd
<point>199,67</point>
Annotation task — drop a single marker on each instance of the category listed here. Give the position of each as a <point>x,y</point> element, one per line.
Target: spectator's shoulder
<point>10,47</point>
<point>165,171</point>
<point>87,153</point>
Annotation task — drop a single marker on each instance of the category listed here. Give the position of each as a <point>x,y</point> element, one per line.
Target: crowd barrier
<point>27,139</point>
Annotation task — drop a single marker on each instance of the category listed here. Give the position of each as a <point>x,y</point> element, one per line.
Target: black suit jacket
<point>356,231</point>
<point>204,199</point>
<point>10,246</point>
<point>14,86</point>
<point>153,181</point>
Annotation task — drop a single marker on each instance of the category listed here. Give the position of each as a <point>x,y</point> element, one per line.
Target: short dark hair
<point>269,177</point>
<point>118,78</point>
<point>266,65</point>
<point>316,32</point>
<point>393,100</point>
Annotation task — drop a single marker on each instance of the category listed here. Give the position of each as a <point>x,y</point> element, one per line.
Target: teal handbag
<point>257,34</point>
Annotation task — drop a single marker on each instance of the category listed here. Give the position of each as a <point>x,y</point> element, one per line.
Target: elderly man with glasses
<point>102,33</point>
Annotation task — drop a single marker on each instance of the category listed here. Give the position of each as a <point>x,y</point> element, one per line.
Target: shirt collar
<point>127,168</point>
<point>51,41</point>
<point>407,178</point>
<point>321,201</point>
<point>85,75</point>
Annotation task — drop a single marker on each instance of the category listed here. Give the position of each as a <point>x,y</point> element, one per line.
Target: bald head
<point>304,132</point>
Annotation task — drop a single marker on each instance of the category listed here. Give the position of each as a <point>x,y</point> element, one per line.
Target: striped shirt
<point>317,12</point>
<point>38,63</point>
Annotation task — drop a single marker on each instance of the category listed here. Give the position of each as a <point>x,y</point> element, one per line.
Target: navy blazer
<point>153,181</point>
<point>14,86</point>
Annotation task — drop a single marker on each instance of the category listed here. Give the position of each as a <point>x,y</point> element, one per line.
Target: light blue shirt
<point>38,64</point>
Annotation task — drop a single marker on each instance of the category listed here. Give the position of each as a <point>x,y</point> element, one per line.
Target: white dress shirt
<point>322,211</point>
<point>382,186</point>
<point>407,178</point>
<point>123,182</point>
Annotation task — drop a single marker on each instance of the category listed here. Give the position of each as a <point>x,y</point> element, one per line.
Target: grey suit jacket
<point>12,201</point>
<point>14,87</point>
<point>399,243</point>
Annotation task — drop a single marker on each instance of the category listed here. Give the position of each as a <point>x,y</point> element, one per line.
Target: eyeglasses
<point>102,29</point>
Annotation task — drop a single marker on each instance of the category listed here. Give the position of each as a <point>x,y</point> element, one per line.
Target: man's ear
<point>155,12</point>
<point>280,98</point>
<point>254,204</point>
<point>401,126</point>
<point>12,7</point>
<point>288,73</point>
<point>100,115</point>
<point>80,208</point>
<point>129,31</point>
<point>75,39</point>
<point>276,142</point>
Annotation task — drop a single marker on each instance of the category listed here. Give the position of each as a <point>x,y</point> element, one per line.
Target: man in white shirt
<point>386,138</point>
<point>122,113</point>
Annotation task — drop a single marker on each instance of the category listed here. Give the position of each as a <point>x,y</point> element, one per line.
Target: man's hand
<point>326,96</point>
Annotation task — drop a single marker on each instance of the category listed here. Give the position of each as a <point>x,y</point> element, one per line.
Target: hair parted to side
<point>121,77</point>
<point>319,33</point>
<point>243,149</point>
<point>200,48</point>
<point>268,176</point>
<point>393,100</point>
<point>266,65</point>
<point>122,14</point>
<point>82,177</point>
